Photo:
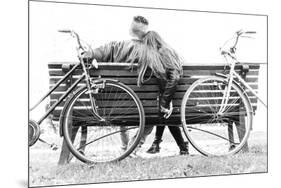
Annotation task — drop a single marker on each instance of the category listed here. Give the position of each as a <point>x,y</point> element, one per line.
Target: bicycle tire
<point>211,133</point>
<point>107,144</point>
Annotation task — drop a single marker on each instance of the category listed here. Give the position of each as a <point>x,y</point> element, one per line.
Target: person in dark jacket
<point>148,49</point>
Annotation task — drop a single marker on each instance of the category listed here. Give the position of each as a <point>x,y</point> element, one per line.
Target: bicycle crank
<point>34,134</point>
<point>53,146</point>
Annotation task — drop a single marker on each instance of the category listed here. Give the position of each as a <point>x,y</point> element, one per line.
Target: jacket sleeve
<point>105,52</point>
<point>168,90</point>
<point>113,52</point>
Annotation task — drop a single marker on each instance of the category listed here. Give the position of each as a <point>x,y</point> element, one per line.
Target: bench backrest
<point>149,91</point>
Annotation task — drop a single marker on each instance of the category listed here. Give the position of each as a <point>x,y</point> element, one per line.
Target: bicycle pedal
<point>54,147</point>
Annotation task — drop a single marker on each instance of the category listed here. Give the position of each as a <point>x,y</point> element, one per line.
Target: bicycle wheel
<point>94,141</point>
<point>209,131</point>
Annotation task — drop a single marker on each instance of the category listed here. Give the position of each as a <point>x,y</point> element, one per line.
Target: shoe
<point>184,150</point>
<point>123,149</point>
<point>153,149</point>
<point>134,153</point>
<point>82,152</point>
<point>231,147</point>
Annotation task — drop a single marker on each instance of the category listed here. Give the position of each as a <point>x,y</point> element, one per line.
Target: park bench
<point>149,91</point>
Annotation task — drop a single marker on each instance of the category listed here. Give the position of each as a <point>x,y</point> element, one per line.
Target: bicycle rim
<point>210,132</point>
<point>92,141</point>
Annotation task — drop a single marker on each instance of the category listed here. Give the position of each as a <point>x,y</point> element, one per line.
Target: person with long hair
<point>149,50</point>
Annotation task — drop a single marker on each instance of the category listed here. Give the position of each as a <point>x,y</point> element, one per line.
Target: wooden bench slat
<point>153,95</point>
<point>148,88</point>
<point>153,103</point>
<point>152,81</point>
<point>189,66</point>
<point>148,92</point>
<point>148,111</point>
<point>127,73</point>
<point>150,118</point>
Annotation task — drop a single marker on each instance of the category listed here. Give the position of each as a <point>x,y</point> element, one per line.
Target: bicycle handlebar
<point>75,35</point>
<point>250,32</point>
<point>238,34</point>
<point>64,31</point>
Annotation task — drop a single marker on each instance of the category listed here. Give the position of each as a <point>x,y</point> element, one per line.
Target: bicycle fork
<point>90,92</point>
<point>225,97</point>
<point>227,90</point>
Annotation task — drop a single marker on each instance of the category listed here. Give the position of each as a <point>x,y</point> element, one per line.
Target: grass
<point>44,171</point>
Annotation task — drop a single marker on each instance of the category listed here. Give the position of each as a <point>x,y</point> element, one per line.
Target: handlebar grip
<point>250,32</point>
<point>65,31</point>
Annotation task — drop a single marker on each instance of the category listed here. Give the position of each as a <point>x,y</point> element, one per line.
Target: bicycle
<point>92,118</point>
<point>224,106</point>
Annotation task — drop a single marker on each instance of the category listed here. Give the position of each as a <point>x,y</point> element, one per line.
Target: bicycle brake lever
<point>233,50</point>
<point>239,32</point>
<point>95,63</point>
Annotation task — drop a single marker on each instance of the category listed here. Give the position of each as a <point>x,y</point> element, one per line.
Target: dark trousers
<point>175,130</point>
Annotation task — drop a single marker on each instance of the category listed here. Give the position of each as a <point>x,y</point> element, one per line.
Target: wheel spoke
<point>116,103</point>
<point>211,132</point>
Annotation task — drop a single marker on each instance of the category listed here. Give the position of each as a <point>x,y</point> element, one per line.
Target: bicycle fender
<point>61,122</point>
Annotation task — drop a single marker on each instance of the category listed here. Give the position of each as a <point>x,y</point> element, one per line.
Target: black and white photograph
<point>143,93</point>
<point>126,93</point>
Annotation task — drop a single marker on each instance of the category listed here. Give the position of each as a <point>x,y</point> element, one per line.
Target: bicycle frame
<point>83,76</point>
<point>233,74</point>
<point>248,87</point>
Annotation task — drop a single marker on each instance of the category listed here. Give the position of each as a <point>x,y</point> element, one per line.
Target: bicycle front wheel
<point>211,130</point>
<point>94,141</point>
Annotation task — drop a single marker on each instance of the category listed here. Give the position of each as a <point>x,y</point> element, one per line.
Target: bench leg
<point>65,152</point>
<point>230,134</point>
<point>241,132</point>
<point>83,141</point>
<point>240,127</point>
<point>64,155</point>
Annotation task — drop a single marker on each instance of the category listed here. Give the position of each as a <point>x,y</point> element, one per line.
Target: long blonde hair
<point>155,53</point>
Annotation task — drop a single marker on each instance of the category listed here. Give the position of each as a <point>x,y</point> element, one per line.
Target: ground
<point>43,167</point>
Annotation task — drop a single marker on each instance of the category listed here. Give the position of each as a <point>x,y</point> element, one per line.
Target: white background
<point>14,93</point>
<point>197,36</point>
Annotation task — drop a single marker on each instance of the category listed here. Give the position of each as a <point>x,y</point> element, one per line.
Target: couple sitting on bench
<point>148,50</point>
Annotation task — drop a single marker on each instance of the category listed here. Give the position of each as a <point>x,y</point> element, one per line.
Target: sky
<point>197,36</point>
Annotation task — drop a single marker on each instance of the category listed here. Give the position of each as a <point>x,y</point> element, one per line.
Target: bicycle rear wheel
<point>211,132</point>
<point>94,141</point>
